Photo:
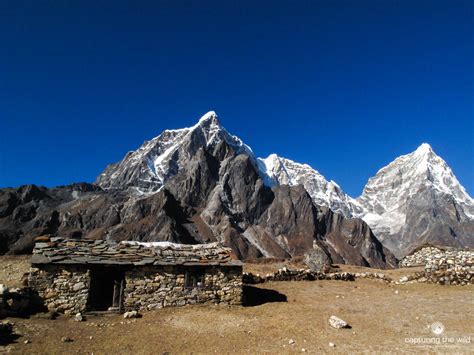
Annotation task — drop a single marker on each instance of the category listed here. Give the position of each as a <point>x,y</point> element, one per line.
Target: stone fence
<point>451,267</point>
<point>420,256</point>
<point>443,265</point>
<point>286,274</point>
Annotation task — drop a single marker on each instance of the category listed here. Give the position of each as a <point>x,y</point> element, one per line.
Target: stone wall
<point>66,290</point>
<point>286,274</point>
<point>443,265</point>
<point>451,267</point>
<point>151,288</point>
<point>62,290</point>
<point>420,256</point>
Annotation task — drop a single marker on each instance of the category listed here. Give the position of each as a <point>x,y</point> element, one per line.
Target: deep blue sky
<point>345,86</point>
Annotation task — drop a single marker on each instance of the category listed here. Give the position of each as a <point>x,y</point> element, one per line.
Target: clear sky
<point>345,86</point>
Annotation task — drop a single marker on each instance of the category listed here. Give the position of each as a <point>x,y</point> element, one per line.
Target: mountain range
<point>203,184</point>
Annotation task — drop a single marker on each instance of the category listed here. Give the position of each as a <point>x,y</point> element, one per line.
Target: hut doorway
<point>106,290</point>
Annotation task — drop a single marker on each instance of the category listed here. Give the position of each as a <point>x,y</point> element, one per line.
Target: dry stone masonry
<point>148,288</point>
<point>74,276</point>
<point>63,290</point>
<point>420,256</point>
<point>286,274</point>
<point>443,265</point>
<point>451,267</point>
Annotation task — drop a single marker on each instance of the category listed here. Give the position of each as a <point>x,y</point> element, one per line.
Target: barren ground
<point>382,320</point>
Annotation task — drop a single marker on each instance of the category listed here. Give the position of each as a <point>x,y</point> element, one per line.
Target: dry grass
<point>381,320</point>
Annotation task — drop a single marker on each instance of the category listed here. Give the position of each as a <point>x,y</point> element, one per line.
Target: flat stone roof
<point>57,250</point>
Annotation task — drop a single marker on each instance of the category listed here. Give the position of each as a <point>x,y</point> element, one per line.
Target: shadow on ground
<point>6,339</point>
<point>254,296</point>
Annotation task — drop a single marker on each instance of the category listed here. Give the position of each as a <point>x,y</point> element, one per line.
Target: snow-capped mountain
<point>147,169</point>
<point>202,184</point>
<point>326,193</point>
<point>192,185</point>
<point>417,199</point>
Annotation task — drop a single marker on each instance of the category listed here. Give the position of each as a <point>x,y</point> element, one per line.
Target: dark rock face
<point>438,220</point>
<point>204,187</point>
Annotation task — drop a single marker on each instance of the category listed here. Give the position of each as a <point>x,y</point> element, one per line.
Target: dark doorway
<point>106,290</point>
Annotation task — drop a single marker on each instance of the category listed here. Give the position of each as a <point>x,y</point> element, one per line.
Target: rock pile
<point>317,260</point>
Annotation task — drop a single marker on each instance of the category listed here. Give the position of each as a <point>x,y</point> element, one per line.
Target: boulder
<point>338,323</point>
<point>317,259</point>
<point>131,314</point>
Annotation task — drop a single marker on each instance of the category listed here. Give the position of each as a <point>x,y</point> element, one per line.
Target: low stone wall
<point>420,257</point>
<point>150,288</point>
<point>451,267</point>
<point>64,291</point>
<point>286,274</point>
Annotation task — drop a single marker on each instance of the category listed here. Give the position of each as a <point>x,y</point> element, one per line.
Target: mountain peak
<point>210,118</point>
<point>424,149</point>
<point>148,168</point>
<point>416,184</point>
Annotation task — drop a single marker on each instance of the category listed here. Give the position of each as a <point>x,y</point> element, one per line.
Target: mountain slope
<point>417,199</point>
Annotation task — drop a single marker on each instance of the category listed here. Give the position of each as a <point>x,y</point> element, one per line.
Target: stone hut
<point>95,275</point>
